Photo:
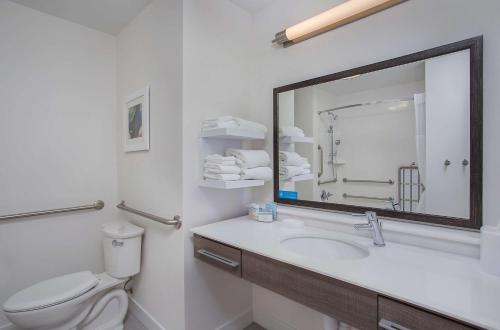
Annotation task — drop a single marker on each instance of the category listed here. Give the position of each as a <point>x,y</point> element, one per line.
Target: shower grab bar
<point>345,180</point>
<point>384,199</point>
<point>176,221</point>
<point>320,171</point>
<point>98,205</point>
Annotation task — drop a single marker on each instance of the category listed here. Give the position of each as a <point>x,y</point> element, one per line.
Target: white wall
<point>57,91</point>
<point>218,69</point>
<point>406,28</point>
<point>150,52</point>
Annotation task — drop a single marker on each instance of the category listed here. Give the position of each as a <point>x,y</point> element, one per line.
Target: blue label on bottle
<point>283,194</point>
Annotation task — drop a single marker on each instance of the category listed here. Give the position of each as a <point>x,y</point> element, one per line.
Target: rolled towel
<point>290,158</point>
<point>222,177</point>
<point>257,173</point>
<point>287,172</point>
<point>231,121</point>
<point>291,131</point>
<point>249,158</point>
<point>222,169</point>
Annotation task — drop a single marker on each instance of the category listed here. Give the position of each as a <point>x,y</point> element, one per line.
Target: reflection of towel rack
<point>384,199</point>
<point>369,181</point>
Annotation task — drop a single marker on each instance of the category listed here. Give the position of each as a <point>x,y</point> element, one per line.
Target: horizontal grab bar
<point>385,199</point>
<point>98,205</point>
<point>368,181</point>
<point>176,221</point>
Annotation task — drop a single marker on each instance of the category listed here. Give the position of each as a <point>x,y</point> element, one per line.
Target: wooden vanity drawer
<point>394,315</point>
<point>217,254</point>
<point>345,302</point>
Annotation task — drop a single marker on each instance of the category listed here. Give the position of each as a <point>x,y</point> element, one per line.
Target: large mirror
<point>401,137</point>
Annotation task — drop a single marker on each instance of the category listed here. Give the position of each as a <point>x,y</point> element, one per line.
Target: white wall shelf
<point>218,184</point>
<point>296,139</point>
<point>298,178</point>
<point>233,133</point>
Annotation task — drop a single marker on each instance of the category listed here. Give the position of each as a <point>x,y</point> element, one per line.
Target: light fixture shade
<point>342,14</point>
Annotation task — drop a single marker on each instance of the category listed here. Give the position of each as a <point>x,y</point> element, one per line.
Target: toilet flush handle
<point>116,243</point>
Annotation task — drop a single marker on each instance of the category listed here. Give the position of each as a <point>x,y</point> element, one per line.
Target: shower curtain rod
<point>366,103</point>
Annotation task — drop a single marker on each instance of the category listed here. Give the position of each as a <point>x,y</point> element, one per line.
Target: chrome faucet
<point>375,226</point>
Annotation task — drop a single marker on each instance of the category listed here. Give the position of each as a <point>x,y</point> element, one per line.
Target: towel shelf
<point>219,184</point>
<point>233,133</point>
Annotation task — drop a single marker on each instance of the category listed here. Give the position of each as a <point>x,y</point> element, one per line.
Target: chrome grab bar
<point>218,258</point>
<point>345,180</point>
<point>98,205</point>
<point>384,199</point>
<point>320,171</point>
<point>176,221</point>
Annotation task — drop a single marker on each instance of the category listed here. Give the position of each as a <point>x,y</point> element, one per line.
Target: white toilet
<point>75,301</point>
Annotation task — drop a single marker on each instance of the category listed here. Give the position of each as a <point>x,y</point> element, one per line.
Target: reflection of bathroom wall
<point>374,141</point>
<point>447,110</point>
<point>304,118</point>
<point>286,103</point>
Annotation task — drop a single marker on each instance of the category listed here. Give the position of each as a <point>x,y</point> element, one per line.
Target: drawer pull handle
<point>388,325</point>
<point>218,258</point>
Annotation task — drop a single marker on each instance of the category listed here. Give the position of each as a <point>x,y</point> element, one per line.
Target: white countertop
<point>446,283</point>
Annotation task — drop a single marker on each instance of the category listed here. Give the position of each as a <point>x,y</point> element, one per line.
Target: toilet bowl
<point>76,300</point>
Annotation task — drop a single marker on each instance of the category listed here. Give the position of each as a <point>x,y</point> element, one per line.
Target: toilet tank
<point>122,249</point>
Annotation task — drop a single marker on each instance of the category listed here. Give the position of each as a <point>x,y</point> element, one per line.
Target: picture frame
<point>136,121</point>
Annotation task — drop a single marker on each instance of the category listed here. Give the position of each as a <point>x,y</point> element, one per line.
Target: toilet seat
<point>51,292</point>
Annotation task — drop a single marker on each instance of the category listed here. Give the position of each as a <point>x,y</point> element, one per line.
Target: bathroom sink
<point>325,249</point>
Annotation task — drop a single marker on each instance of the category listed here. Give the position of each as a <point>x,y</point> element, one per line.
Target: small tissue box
<point>265,213</point>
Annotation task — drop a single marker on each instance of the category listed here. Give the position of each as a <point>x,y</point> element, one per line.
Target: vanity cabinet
<point>394,315</point>
<point>219,255</point>
<point>348,303</point>
<point>345,302</point>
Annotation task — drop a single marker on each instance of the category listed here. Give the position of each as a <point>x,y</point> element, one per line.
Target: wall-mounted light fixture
<point>339,15</point>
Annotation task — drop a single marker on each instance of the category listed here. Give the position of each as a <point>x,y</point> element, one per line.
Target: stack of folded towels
<point>233,122</point>
<point>254,164</point>
<point>291,131</point>
<point>218,167</point>
<point>292,164</point>
<point>238,164</point>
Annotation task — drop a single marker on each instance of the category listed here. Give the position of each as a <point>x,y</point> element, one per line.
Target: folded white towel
<point>249,158</point>
<point>221,169</point>
<point>230,121</point>
<point>290,158</point>
<point>287,172</point>
<point>222,177</point>
<point>291,131</point>
<point>222,162</point>
<point>217,157</point>
<point>257,173</point>
<point>306,166</point>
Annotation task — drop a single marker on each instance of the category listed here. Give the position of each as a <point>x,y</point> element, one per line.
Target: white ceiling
<point>108,16</point>
<point>393,76</point>
<point>252,6</point>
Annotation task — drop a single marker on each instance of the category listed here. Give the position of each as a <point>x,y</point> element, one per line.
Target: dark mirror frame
<point>475,45</point>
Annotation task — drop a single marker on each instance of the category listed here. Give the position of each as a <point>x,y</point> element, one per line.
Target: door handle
<point>218,258</point>
<point>388,325</point>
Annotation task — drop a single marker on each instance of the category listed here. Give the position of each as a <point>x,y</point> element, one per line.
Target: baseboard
<point>268,321</point>
<point>239,322</point>
<point>142,315</point>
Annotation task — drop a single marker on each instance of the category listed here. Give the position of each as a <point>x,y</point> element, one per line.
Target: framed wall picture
<point>136,121</point>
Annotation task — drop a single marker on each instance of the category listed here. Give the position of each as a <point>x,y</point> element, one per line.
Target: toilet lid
<point>51,292</point>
